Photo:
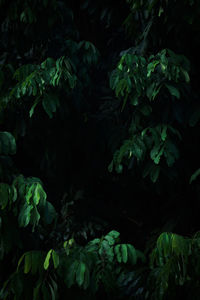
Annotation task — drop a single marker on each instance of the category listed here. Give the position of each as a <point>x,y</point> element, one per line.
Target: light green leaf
<point>117,250</point>
<point>114,234</point>
<point>55,258</point>
<point>164,133</point>
<point>151,67</point>
<point>29,192</point>
<point>46,262</point>
<point>124,253</point>
<point>110,239</point>
<point>36,195</point>
<point>25,215</point>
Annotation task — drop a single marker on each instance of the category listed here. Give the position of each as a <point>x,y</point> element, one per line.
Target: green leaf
<point>36,291</point>
<point>132,254</point>
<point>50,103</point>
<point>25,215</point>
<point>106,250</point>
<point>31,112</point>
<point>80,273</point>
<point>71,273</point>
<point>171,152</point>
<point>20,261</point>
<point>14,193</point>
<point>155,173</point>
<point>156,153</point>
<point>186,75</point>
<point>53,296</point>
<point>164,133</point>
<point>110,239</point>
<point>45,292</point>
<point>46,262</point>
<point>55,258</point>
<point>124,253</point>
<point>194,175</point>
<point>27,262</point>
<point>86,279</point>
<point>37,262</point>
<point>7,143</point>
<point>29,192</point>
<point>49,213</point>
<point>114,234</point>
<point>173,91</point>
<point>4,195</point>
<point>146,110</point>
<point>151,67</point>
<point>117,250</point>
<point>35,217</point>
<point>36,196</point>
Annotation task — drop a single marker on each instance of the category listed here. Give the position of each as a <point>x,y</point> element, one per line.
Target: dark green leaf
<point>173,90</point>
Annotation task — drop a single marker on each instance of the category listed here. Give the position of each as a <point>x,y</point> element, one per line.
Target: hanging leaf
<point>118,253</point>
<point>194,175</point>
<point>7,143</point>
<point>49,213</point>
<point>55,258</point>
<point>35,217</point>
<point>25,215</point>
<point>124,253</point>
<point>50,103</point>
<point>71,272</point>
<point>164,133</point>
<point>36,196</point>
<point>27,262</point>
<point>46,262</point>
<point>4,195</point>
<point>31,112</point>
<point>80,273</point>
<point>173,91</point>
<point>154,174</point>
<point>132,255</point>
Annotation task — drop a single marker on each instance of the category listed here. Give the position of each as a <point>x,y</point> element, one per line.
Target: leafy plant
<point>145,81</point>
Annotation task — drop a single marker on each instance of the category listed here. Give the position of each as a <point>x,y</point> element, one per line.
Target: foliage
<point>100,261</point>
<point>99,116</point>
<point>143,81</point>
